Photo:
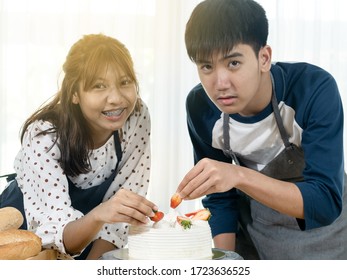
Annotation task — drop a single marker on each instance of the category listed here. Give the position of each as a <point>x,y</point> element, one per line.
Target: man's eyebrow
<point>202,61</point>
<point>232,55</point>
<point>225,57</point>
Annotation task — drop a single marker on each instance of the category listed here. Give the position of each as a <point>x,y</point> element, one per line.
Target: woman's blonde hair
<point>86,60</point>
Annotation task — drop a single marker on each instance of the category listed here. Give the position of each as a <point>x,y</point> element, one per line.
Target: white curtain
<point>36,35</point>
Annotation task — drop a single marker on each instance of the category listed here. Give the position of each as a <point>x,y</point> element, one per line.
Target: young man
<point>267,139</point>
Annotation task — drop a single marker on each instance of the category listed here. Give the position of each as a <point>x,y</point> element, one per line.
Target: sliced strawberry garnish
<point>191,214</point>
<point>175,200</point>
<point>203,214</point>
<point>158,215</point>
<point>184,222</point>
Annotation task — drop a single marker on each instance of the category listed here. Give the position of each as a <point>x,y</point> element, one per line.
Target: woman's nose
<point>114,94</point>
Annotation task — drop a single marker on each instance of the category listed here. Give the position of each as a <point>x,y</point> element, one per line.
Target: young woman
<point>84,164</point>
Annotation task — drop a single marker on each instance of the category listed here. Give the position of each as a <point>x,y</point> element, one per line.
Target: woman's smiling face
<point>107,104</point>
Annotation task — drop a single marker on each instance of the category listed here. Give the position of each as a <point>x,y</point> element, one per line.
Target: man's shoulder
<point>202,113</point>
<point>302,78</point>
<point>198,98</point>
<point>197,92</point>
<point>198,103</point>
<point>297,69</point>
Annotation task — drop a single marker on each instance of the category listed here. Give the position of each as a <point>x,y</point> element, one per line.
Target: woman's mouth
<point>113,113</point>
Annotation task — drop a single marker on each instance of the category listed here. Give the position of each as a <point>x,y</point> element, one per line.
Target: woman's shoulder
<point>139,118</point>
<point>38,139</point>
<point>38,128</point>
<point>143,110</point>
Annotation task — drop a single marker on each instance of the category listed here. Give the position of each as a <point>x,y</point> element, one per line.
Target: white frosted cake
<point>168,240</point>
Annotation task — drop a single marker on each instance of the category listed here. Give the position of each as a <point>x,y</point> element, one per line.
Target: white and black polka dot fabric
<point>45,187</point>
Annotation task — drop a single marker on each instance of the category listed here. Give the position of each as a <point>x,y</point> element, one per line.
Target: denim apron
<point>268,234</point>
<point>83,200</point>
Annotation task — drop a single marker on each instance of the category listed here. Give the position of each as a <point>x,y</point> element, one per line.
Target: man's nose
<point>222,79</point>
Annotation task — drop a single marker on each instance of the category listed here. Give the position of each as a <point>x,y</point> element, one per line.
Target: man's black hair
<point>220,25</point>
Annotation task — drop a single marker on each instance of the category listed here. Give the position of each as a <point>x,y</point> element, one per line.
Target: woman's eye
<point>99,86</point>
<point>126,81</point>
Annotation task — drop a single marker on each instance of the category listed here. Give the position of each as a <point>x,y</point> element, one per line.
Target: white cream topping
<point>167,239</point>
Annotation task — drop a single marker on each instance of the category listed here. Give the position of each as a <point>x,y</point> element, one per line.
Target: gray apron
<point>268,234</point>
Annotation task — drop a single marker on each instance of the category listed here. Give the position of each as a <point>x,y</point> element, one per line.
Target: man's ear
<point>75,99</point>
<point>265,55</point>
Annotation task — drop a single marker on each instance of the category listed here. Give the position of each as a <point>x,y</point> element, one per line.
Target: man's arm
<point>225,241</point>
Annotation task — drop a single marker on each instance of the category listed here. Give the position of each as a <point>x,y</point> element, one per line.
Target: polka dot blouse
<point>45,187</point>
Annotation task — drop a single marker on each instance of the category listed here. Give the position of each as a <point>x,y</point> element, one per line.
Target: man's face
<point>235,82</point>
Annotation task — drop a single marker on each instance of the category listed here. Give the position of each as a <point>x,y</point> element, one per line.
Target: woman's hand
<point>125,207</point>
<point>206,177</point>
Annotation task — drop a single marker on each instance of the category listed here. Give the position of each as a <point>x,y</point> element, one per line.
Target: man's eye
<point>206,67</point>
<point>234,63</point>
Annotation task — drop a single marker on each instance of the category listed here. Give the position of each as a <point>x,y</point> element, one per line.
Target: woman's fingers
<point>128,207</point>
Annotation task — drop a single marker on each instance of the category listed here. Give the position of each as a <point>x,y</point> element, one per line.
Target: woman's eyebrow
<point>100,79</point>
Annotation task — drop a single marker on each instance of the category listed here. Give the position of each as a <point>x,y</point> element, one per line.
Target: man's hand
<point>206,177</point>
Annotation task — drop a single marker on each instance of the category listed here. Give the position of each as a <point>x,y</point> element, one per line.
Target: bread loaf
<point>17,244</point>
<point>10,218</point>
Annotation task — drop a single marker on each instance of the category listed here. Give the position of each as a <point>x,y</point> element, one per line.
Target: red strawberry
<point>191,214</point>
<point>157,216</point>
<point>175,200</point>
<point>184,222</point>
<point>202,214</point>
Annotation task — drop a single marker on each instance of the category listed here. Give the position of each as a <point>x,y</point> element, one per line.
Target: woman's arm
<point>99,247</point>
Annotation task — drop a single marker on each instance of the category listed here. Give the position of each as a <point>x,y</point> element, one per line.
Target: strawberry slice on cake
<point>202,214</point>
<point>187,220</point>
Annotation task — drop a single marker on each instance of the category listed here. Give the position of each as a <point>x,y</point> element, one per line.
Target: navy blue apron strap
<point>85,200</point>
<point>9,177</point>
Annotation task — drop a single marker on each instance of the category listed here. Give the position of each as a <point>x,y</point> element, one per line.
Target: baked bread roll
<point>10,218</point>
<point>17,244</point>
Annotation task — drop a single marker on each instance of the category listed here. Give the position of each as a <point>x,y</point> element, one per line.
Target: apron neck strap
<point>226,147</point>
<point>277,114</point>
